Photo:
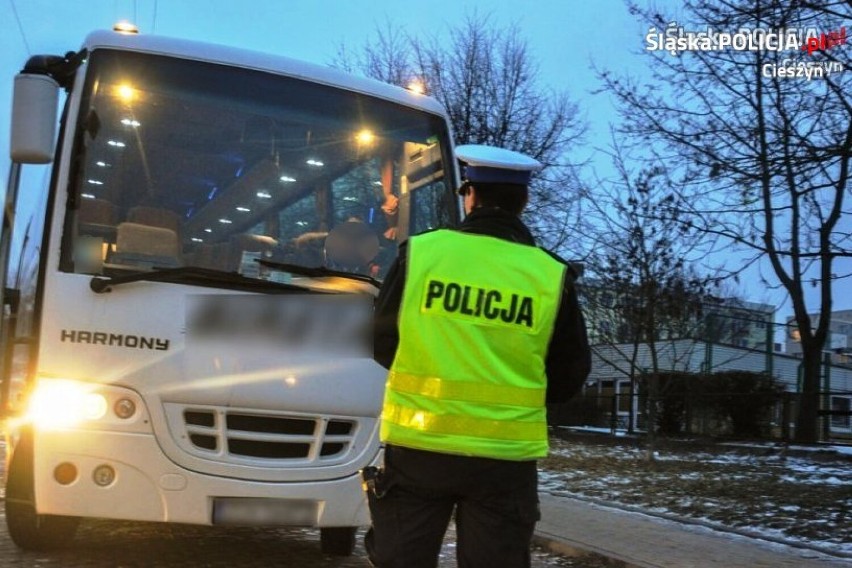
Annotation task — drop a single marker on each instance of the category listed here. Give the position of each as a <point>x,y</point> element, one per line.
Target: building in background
<point>739,323</point>
<point>718,335</point>
<point>838,344</point>
<point>724,321</point>
<point>614,383</point>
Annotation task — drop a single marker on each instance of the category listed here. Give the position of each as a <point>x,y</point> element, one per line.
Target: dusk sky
<point>565,38</point>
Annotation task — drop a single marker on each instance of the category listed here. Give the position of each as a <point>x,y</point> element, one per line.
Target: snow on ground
<point>801,496</point>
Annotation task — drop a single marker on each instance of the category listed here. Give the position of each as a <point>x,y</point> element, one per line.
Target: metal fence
<point>719,415</point>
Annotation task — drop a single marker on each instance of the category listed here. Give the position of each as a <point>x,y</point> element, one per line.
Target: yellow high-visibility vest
<point>469,373</point>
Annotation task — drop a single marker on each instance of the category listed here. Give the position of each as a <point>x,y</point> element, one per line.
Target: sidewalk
<point>573,527</point>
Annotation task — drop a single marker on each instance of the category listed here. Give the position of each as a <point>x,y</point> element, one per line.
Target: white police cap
<point>489,164</point>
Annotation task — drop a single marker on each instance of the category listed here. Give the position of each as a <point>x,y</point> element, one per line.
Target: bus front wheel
<point>337,541</point>
<point>32,531</point>
<point>28,529</point>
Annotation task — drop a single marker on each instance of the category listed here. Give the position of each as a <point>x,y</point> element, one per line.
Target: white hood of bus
<point>136,337</point>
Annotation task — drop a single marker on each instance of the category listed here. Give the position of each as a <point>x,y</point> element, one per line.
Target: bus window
<point>209,160</point>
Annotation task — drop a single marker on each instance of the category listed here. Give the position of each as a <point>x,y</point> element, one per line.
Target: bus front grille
<point>235,436</point>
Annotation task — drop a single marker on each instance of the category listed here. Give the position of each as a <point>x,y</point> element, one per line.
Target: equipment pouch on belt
<point>372,481</point>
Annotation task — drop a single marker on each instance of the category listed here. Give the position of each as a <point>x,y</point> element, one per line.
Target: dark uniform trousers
<point>495,503</point>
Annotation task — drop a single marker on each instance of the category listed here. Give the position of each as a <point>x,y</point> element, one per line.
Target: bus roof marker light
<point>125,27</point>
<point>417,87</point>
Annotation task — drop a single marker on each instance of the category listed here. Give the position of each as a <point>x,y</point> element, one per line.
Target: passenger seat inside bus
<point>150,238</point>
<point>155,217</point>
<point>97,218</point>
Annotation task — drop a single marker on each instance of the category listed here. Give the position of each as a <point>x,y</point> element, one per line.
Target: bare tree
<point>487,80</point>
<point>766,155</point>
<point>644,289</point>
<point>387,57</point>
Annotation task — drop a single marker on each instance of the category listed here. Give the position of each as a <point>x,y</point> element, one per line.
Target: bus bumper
<point>126,476</point>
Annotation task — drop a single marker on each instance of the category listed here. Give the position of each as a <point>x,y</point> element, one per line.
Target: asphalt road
<point>118,544</point>
<point>114,544</point>
<point>124,544</point>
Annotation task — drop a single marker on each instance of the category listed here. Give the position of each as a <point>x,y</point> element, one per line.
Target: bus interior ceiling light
<point>365,137</point>
<point>125,92</point>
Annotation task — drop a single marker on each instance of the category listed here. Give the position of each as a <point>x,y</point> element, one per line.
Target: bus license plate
<point>249,511</point>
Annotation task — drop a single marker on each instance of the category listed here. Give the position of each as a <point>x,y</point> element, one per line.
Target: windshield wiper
<point>318,271</point>
<point>196,276</point>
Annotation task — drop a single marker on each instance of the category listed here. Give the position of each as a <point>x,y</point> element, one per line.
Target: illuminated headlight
<point>57,403</point>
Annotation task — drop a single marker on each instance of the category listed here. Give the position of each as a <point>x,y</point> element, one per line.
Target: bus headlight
<point>124,408</point>
<point>58,403</point>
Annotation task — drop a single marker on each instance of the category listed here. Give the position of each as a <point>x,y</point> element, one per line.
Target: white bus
<point>189,266</point>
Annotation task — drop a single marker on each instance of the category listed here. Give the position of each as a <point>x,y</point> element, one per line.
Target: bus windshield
<point>182,163</point>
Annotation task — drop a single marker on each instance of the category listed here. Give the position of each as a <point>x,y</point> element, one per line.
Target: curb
<point>568,550</point>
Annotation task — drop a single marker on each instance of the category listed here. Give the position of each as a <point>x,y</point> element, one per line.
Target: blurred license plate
<point>333,324</point>
<point>263,512</point>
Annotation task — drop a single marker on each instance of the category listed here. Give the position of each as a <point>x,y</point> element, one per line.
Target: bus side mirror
<point>34,107</point>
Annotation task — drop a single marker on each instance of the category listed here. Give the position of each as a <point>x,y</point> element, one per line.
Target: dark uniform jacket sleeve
<point>386,314</point>
<point>569,358</point>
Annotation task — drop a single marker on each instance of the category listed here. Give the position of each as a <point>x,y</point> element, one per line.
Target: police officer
<point>479,328</point>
